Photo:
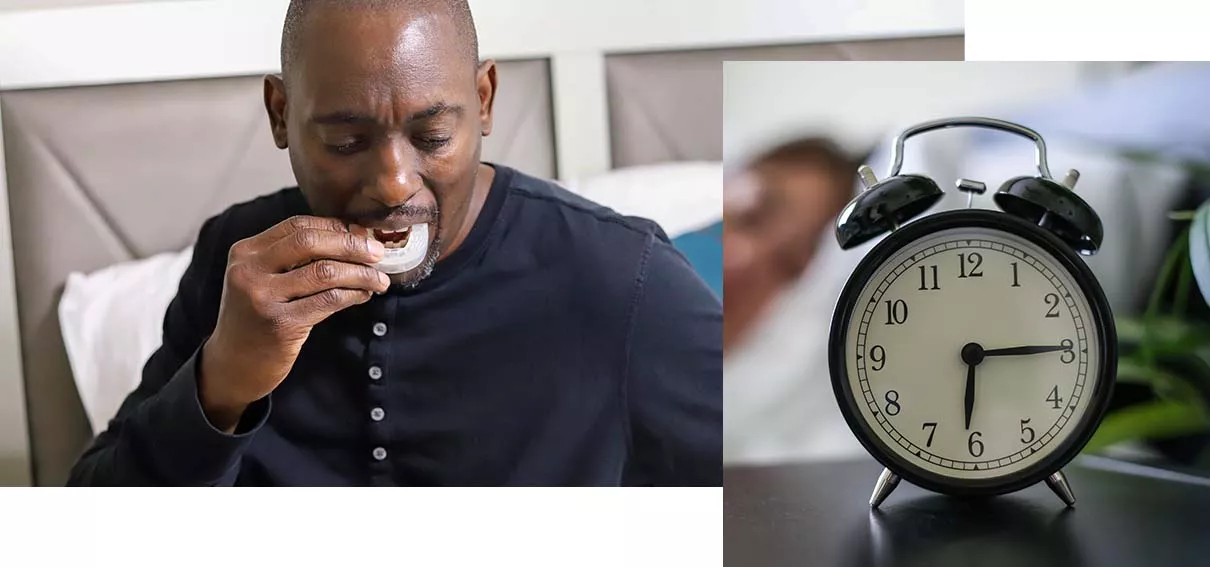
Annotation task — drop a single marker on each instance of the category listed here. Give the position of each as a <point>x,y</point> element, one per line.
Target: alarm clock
<point>972,351</point>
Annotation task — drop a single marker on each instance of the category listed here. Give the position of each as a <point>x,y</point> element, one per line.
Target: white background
<point>536,528</point>
<point>1086,30</point>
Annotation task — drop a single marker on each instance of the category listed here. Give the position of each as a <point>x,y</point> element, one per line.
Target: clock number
<point>924,282</point>
<point>933,426</point>
<point>976,261</point>
<point>1068,355</point>
<point>892,403</point>
<point>1027,430</point>
<point>878,355</point>
<point>896,312</point>
<point>1015,282</point>
<point>972,442</point>
<point>1055,399</point>
<point>1052,300</point>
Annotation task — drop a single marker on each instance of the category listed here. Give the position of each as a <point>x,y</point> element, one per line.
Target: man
<point>776,210</point>
<point>409,315</point>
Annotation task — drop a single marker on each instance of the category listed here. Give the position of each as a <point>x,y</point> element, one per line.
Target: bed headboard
<point>650,121</point>
<point>92,158</point>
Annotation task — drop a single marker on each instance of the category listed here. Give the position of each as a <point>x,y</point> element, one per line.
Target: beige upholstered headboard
<point>101,174</point>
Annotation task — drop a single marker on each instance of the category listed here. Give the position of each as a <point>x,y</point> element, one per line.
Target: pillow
<point>681,197</point>
<point>704,250</point>
<point>111,322</point>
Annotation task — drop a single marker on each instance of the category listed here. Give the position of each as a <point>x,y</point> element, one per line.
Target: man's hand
<point>278,285</point>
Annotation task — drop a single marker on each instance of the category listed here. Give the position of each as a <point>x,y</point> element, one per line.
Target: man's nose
<point>396,178</point>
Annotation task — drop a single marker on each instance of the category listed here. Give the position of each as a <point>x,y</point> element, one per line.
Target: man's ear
<point>485,80</point>
<point>275,105</point>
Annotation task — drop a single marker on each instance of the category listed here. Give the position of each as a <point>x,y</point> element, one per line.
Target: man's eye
<point>346,147</point>
<point>431,143</point>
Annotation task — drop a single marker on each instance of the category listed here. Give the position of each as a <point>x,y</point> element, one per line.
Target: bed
<point>115,154</point>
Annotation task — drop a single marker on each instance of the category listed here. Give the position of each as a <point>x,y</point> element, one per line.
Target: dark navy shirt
<point>561,344</point>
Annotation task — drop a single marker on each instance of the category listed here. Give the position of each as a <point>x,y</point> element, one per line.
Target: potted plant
<point>1162,398</point>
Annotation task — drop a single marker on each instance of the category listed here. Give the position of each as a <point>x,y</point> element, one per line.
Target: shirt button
<point>380,329</point>
<point>377,414</point>
<point>379,453</point>
<point>375,373</point>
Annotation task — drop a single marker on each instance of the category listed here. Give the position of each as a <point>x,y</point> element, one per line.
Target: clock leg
<point>1058,483</point>
<point>887,481</point>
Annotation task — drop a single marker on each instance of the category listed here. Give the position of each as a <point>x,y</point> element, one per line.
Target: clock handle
<point>976,121</point>
<point>887,481</point>
<point>1058,483</point>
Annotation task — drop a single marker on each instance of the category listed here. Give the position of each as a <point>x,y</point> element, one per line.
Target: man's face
<point>383,114</point>
<point>776,215</point>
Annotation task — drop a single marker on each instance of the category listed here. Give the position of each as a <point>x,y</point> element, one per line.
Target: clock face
<point>973,354</point>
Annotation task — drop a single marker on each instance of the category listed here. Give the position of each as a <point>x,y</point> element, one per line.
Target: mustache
<point>409,213</point>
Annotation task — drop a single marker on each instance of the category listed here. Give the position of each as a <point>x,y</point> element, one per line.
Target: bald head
<point>459,13</point>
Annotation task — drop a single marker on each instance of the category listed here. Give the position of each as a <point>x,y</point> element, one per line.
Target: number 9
<point>878,355</point>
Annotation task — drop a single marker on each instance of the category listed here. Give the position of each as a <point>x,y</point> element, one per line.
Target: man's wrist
<point>222,413</point>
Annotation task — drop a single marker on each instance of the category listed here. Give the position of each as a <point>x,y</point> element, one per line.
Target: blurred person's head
<point>382,105</point>
<point>775,211</point>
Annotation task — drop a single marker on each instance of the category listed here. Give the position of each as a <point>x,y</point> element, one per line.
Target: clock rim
<point>1084,279</point>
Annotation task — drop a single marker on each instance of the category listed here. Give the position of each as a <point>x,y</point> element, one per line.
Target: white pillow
<point>111,322</point>
<point>680,196</point>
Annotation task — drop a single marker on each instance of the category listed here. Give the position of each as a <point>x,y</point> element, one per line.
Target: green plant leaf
<point>1167,335</point>
<point>1199,249</point>
<point>1153,420</point>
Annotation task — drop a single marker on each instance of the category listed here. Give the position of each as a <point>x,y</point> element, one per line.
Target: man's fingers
<point>297,223</point>
<point>313,309</point>
<point>310,244</point>
<point>327,274</point>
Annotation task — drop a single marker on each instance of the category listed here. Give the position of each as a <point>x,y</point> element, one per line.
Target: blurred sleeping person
<point>778,213</point>
<point>411,315</point>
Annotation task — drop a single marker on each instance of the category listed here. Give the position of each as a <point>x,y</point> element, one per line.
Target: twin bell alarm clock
<point>972,351</point>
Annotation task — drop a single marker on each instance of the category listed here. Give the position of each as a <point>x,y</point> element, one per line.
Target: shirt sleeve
<point>160,435</point>
<point>674,375</point>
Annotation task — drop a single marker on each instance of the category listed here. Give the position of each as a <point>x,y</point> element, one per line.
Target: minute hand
<point>1012,351</point>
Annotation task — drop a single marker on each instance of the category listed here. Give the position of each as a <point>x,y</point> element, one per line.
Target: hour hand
<point>1012,351</point>
<point>968,401</point>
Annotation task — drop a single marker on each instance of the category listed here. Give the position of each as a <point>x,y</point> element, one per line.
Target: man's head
<point>782,201</point>
<point>776,209</point>
<point>382,105</point>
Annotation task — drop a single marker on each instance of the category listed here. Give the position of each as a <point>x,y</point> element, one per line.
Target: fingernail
<point>376,247</point>
<point>384,279</point>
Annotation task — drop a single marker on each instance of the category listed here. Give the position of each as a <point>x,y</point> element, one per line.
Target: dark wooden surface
<point>819,514</point>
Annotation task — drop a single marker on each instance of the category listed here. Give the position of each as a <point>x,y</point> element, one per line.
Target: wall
<point>48,4</point>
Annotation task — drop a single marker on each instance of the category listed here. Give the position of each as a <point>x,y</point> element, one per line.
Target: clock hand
<point>969,402</point>
<point>1011,351</point>
<point>972,355</point>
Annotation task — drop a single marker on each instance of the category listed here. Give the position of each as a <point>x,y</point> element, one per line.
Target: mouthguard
<point>412,254</point>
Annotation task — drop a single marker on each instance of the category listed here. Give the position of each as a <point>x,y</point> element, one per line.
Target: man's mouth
<point>397,238</point>
<point>406,247</point>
